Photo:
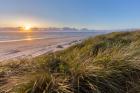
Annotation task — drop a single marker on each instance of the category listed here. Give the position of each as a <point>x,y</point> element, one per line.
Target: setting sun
<point>27,27</point>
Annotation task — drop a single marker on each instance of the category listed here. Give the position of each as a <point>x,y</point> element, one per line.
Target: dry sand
<point>33,48</point>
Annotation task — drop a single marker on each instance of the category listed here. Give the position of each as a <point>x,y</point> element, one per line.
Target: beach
<point>16,45</point>
<point>33,48</point>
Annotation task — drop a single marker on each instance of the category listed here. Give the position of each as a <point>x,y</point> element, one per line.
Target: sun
<point>27,27</point>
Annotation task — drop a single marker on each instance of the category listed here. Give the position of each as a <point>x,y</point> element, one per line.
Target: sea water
<point>11,36</point>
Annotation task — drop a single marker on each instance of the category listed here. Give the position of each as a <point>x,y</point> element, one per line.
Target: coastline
<point>83,61</point>
<point>33,48</point>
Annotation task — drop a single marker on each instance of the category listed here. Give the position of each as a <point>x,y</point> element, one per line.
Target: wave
<point>27,39</point>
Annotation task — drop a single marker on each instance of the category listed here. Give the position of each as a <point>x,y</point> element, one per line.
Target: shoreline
<point>31,39</point>
<point>33,48</point>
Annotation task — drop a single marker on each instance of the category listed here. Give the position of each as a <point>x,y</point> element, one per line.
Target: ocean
<point>12,36</point>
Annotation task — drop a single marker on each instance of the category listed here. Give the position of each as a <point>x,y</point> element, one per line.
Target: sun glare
<point>27,27</point>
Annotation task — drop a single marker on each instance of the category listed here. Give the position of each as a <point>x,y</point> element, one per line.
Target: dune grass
<point>103,64</point>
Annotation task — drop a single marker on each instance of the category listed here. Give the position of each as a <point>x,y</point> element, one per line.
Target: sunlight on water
<point>29,37</point>
<point>19,36</point>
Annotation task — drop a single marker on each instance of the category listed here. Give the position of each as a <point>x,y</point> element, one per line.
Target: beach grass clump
<point>102,64</point>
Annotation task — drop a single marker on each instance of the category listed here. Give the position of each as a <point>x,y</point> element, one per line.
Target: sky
<point>92,14</point>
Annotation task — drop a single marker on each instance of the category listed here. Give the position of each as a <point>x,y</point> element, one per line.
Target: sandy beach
<point>32,48</point>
